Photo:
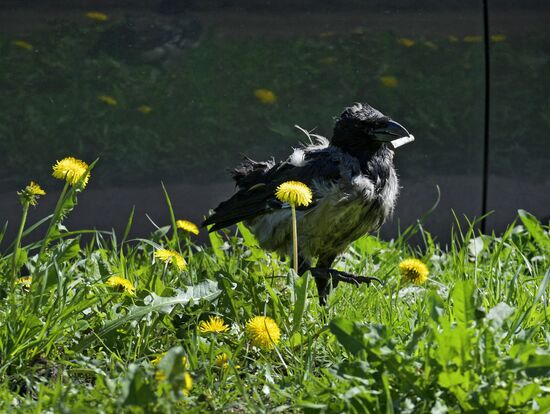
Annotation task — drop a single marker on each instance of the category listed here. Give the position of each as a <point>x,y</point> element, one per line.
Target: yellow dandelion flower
<point>222,361</point>
<point>23,45</point>
<point>413,271</point>
<point>472,39</point>
<point>109,100</point>
<point>144,109</point>
<point>294,193</point>
<point>187,383</point>
<point>329,60</point>
<point>498,38</point>
<point>388,81</point>
<point>171,256</point>
<point>72,170</point>
<point>263,332</point>
<point>453,39</point>
<point>25,281</point>
<point>30,194</point>
<point>265,96</point>
<point>35,189</point>
<point>215,324</point>
<point>97,16</point>
<point>187,226</point>
<point>406,42</point>
<point>120,284</point>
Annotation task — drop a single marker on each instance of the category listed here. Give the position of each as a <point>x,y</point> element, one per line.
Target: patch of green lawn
<point>472,338</point>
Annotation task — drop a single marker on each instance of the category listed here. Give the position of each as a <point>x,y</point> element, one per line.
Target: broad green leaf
<point>387,391</point>
<point>524,395</point>
<point>247,235</point>
<point>300,295</point>
<point>216,242</point>
<point>535,229</point>
<point>463,301</point>
<point>67,250</point>
<point>137,388</point>
<point>21,258</point>
<point>347,334</point>
<point>207,290</point>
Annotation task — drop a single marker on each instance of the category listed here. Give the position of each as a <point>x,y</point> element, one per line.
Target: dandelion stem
<point>18,242</point>
<point>55,218</point>
<point>294,238</point>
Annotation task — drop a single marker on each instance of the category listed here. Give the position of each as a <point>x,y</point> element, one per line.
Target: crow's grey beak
<point>393,133</point>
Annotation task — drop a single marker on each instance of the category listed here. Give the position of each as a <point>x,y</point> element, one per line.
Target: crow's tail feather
<point>234,210</point>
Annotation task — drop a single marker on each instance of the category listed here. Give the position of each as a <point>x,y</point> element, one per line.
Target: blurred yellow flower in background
<point>109,100</point>
<point>23,45</point>
<point>498,38</point>
<point>473,39</point>
<point>155,361</point>
<point>160,375</point>
<point>97,16</point>
<point>188,226</point>
<point>453,39</point>
<point>406,42</point>
<point>222,361</point>
<point>413,271</point>
<point>431,45</point>
<point>144,109</point>
<point>265,96</point>
<point>263,332</point>
<point>71,170</point>
<point>187,383</point>
<point>171,256</point>
<point>388,81</point>
<point>121,284</point>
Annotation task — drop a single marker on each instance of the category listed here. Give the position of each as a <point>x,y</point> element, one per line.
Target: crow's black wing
<point>258,183</point>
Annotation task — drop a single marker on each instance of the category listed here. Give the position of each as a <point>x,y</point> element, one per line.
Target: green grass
<point>474,338</point>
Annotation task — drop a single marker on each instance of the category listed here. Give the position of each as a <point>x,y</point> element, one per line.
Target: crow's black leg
<point>323,278</point>
<point>323,274</point>
<point>303,265</point>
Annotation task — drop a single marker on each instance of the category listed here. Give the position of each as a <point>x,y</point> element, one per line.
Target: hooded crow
<point>354,187</point>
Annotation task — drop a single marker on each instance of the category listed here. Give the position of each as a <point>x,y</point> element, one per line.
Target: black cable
<point>487,57</point>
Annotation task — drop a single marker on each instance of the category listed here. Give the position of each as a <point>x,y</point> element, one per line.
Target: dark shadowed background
<point>177,91</point>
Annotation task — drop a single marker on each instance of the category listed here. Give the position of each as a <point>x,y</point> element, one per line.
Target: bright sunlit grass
<point>102,326</point>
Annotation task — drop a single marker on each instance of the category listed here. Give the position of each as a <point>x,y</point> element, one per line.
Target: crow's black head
<point>361,126</point>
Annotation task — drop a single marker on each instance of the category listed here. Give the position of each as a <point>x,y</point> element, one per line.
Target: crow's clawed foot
<point>340,276</point>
